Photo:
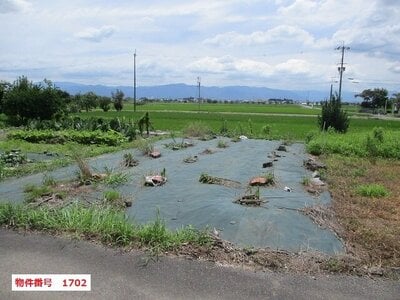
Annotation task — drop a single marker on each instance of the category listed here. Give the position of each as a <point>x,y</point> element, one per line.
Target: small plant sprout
<point>306,181</point>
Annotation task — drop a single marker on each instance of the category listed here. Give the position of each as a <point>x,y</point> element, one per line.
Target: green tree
<point>105,103</point>
<point>26,100</point>
<point>333,116</point>
<point>4,88</point>
<point>395,100</point>
<point>118,98</point>
<point>89,101</point>
<point>374,99</point>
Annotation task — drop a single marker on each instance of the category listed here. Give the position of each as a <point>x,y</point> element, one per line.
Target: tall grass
<point>107,224</point>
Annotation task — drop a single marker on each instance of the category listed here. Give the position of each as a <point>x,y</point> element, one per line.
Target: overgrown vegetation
<point>378,143</point>
<point>107,224</point>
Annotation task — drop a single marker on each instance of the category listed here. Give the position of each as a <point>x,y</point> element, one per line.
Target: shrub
<point>333,116</point>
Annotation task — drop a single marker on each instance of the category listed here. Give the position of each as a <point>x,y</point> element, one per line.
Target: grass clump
<point>115,179</point>
<point>372,190</point>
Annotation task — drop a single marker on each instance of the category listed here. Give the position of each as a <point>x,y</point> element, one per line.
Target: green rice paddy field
<point>283,121</point>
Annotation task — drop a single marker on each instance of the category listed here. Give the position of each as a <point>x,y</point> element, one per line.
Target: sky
<point>283,44</point>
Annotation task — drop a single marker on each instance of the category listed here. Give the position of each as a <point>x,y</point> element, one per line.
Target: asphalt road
<point>120,275</point>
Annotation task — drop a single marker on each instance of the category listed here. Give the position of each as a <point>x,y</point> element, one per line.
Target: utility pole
<point>198,86</point>
<point>134,81</point>
<point>341,69</point>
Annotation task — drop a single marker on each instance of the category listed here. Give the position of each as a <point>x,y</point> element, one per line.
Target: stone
<point>155,154</point>
<point>282,148</point>
<point>317,182</point>
<point>267,164</point>
<point>315,174</point>
<point>155,180</point>
<point>313,165</point>
<point>258,181</point>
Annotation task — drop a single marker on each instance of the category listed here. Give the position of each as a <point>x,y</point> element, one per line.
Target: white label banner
<point>51,282</point>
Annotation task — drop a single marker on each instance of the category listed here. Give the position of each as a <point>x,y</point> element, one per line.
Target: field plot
<point>277,221</point>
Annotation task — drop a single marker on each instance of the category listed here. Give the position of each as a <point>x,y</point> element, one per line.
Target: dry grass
<point>371,225</point>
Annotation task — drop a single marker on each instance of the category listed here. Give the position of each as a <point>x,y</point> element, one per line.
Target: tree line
<point>24,100</point>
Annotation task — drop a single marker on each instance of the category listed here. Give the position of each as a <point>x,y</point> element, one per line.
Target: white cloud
<point>249,67</point>
<point>395,68</point>
<point>294,66</point>
<point>96,34</point>
<point>278,34</point>
<point>13,6</point>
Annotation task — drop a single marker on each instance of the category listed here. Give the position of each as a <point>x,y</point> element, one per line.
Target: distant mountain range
<point>179,91</point>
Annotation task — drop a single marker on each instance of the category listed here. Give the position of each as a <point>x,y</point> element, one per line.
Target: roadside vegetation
<point>107,224</point>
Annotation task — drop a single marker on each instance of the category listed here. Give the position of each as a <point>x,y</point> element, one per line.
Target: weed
<point>48,180</point>
<point>372,190</point>
<point>84,170</point>
<point>224,127</point>
<point>196,129</point>
<point>270,178</point>
<point>145,146</point>
<point>266,130</point>
<point>250,124</point>
<point>222,144</point>
<point>34,192</point>
<point>306,181</point>
<point>111,196</point>
<point>333,265</point>
<point>128,160</point>
<point>115,179</point>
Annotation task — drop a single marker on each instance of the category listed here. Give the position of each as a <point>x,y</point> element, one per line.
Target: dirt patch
<point>312,263</point>
<point>371,225</point>
<point>63,194</point>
